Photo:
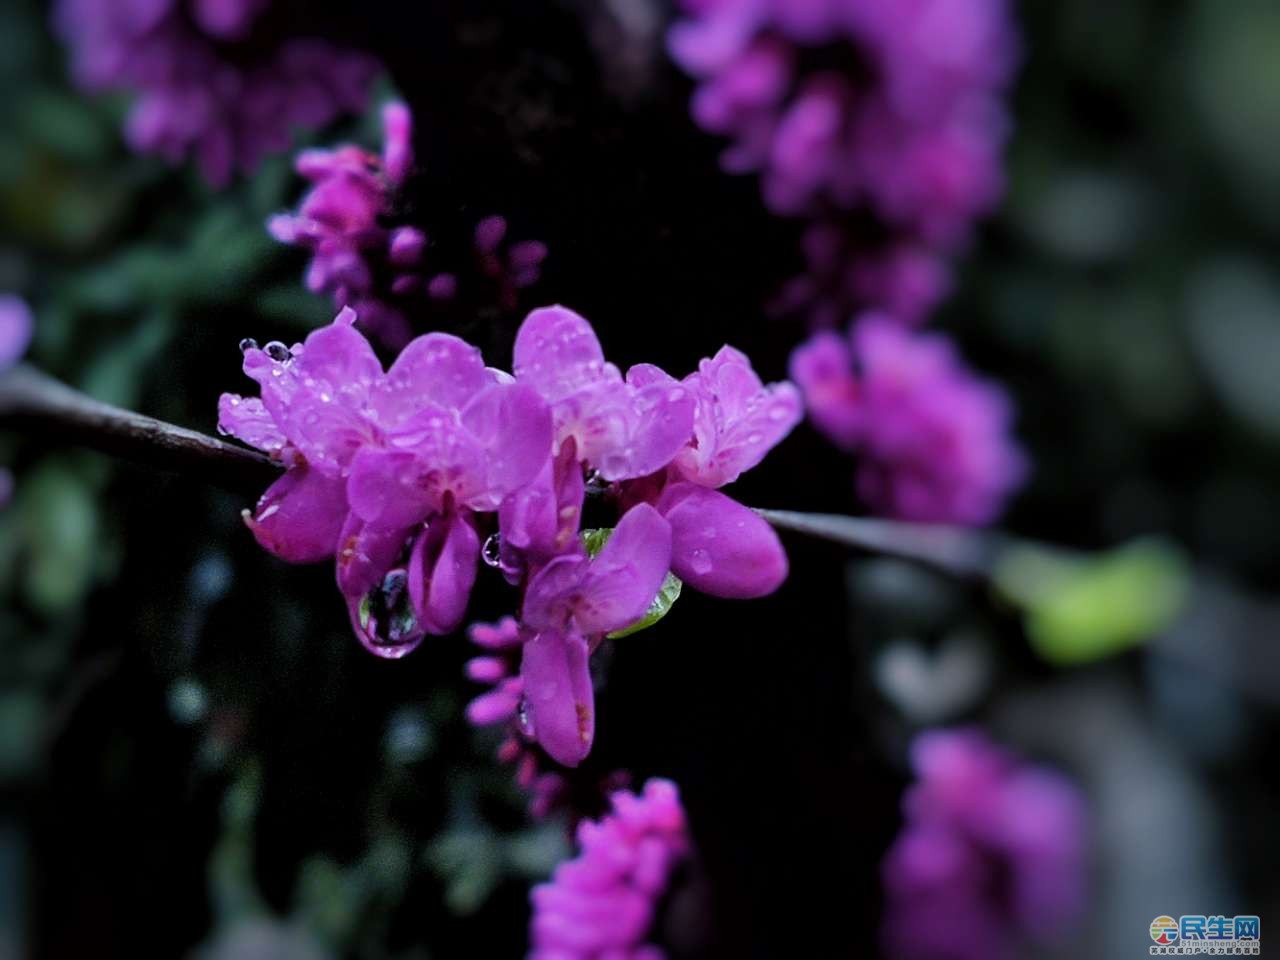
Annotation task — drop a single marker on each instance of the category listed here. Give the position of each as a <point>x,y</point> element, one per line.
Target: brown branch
<point>36,404</point>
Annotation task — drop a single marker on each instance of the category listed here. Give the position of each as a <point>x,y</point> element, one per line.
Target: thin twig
<point>959,551</point>
<point>37,404</point>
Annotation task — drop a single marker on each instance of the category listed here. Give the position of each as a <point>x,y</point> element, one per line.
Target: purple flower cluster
<point>207,81</point>
<point>601,904</point>
<point>933,441</point>
<point>992,854</point>
<point>850,108</point>
<point>365,261</point>
<point>401,473</point>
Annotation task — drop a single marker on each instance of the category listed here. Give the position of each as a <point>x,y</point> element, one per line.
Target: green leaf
<point>594,540</point>
<point>1079,610</point>
<point>60,528</point>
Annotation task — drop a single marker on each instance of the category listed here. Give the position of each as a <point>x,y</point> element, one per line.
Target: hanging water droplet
<point>491,552</point>
<point>247,344</point>
<point>278,352</point>
<point>524,718</point>
<point>388,625</point>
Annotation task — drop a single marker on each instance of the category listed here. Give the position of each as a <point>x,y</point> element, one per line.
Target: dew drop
<point>700,561</point>
<point>524,718</point>
<point>387,623</point>
<point>247,344</point>
<point>491,552</point>
<point>278,352</point>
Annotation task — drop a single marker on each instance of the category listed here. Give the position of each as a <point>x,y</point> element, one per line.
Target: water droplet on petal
<point>247,344</point>
<point>700,561</point>
<point>524,718</point>
<point>387,624</point>
<point>491,552</point>
<point>278,352</point>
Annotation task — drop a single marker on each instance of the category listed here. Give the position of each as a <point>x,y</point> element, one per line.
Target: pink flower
<point>907,132</point>
<point>737,419</point>
<point>992,853</point>
<point>569,605</point>
<point>383,461</point>
<point>365,259</point>
<point>623,427</point>
<point>205,83</point>
<point>933,441</point>
<point>401,474</point>
<point>601,904</point>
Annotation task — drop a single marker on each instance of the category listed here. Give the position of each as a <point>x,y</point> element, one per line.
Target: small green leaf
<point>594,540</point>
<point>668,594</point>
<point>1081,609</point>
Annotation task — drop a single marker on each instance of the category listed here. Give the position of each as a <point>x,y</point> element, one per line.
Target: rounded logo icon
<point>1164,930</point>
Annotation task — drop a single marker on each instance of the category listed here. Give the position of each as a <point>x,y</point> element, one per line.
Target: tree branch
<point>35,403</point>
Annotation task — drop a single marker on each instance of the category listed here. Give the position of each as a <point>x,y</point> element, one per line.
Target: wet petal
<point>719,546</point>
<point>512,423</point>
<point>542,517</point>
<point>559,700</point>
<point>549,597</point>
<point>366,552</point>
<point>390,488</point>
<point>557,353</point>
<point>442,571</point>
<point>664,425</point>
<point>340,354</point>
<point>622,580</point>
<point>738,420</point>
<point>437,368</point>
<point>300,516</point>
<point>247,419</point>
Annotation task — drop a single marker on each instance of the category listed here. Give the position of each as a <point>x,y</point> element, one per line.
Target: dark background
<point>194,749</point>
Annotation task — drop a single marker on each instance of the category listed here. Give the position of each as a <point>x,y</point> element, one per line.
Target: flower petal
<point>559,700</point>
<point>442,571</point>
<point>300,516</point>
<point>512,423</point>
<point>366,552</point>
<point>438,368</point>
<point>622,580</point>
<point>557,353</point>
<point>719,546</point>
<point>548,599</point>
<point>247,419</point>
<point>823,367</point>
<point>738,419</point>
<point>389,488</point>
<point>542,517</point>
